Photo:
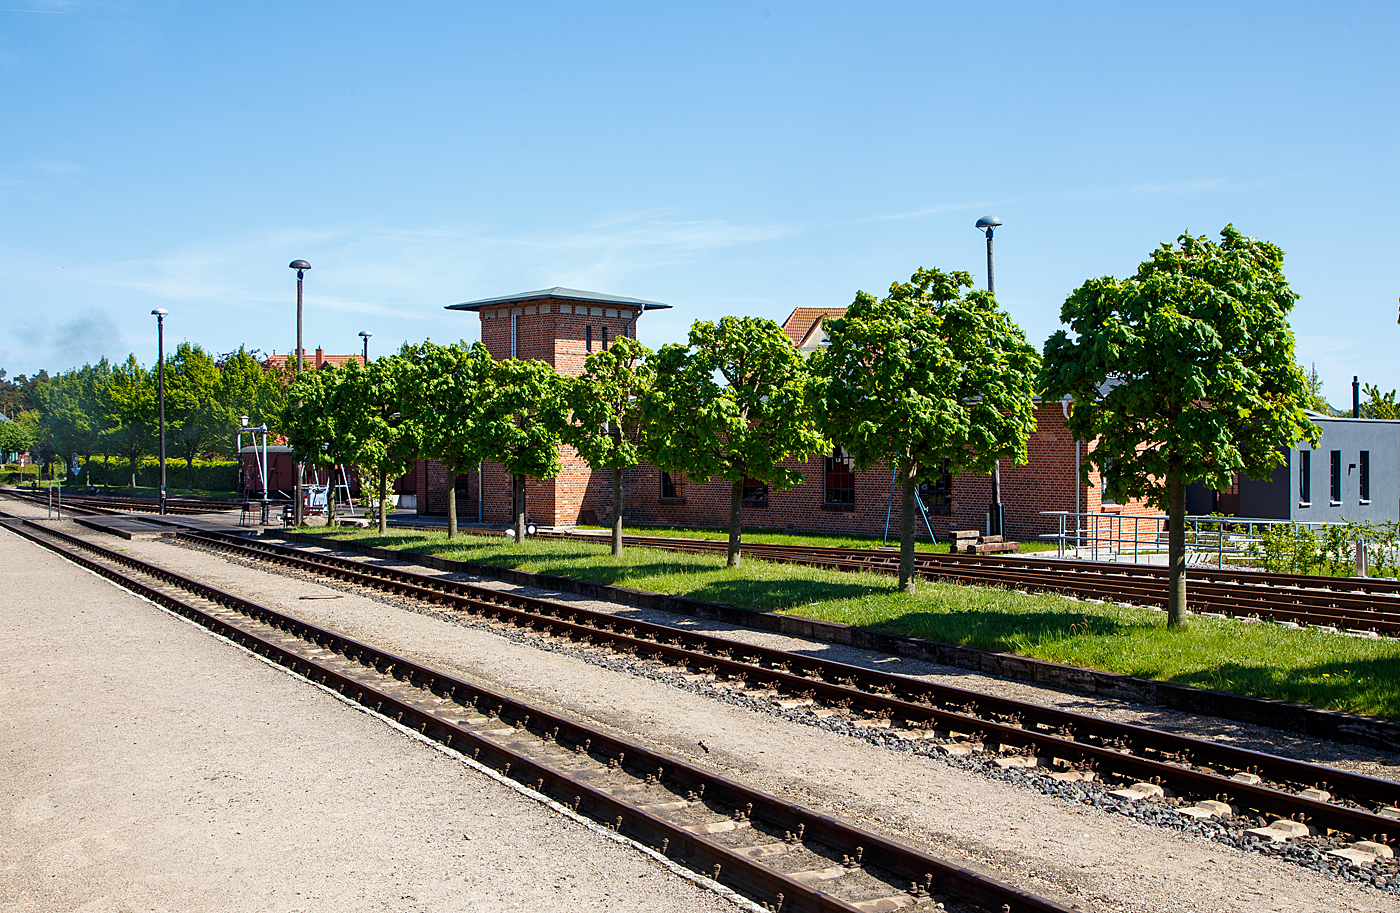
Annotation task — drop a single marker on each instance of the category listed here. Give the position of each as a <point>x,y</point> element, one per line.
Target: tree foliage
<point>604,405</point>
<point>372,431</point>
<point>1378,404</point>
<point>447,396</point>
<point>927,378</point>
<point>742,430</point>
<point>1183,372</point>
<point>520,424</point>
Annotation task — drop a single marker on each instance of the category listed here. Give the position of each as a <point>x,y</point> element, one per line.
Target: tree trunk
<point>906,531</point>
<point>132,463</point>
<point>330,494</point>
<point>452,507</point>
<point>384,501</point>
<point>189,472</point>
<point>1177,612</point>
<point>736,521</point>
<point>518,506</point>
<point>617,514</point>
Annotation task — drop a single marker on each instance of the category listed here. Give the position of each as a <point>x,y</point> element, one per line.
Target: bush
<point>14,474</point>
<point>1296,549</point>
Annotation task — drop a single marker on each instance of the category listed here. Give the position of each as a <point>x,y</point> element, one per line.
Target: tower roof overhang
<point>571,294</point>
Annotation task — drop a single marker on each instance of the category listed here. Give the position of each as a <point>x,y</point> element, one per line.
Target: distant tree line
<point>106,412</point>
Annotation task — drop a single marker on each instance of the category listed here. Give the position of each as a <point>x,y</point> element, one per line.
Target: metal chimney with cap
<point>1355,397</point>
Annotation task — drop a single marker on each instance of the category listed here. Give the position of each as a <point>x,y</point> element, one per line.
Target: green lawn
<point>772,538</point>
<point>1265,660</point>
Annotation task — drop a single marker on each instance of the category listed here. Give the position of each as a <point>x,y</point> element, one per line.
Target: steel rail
<point>1185,764</point>
<point>860,848</point>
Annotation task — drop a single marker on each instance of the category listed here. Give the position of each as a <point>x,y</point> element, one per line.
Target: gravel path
<point>1372,762</point>
<point>1069,849</point>
<point>145,765</point>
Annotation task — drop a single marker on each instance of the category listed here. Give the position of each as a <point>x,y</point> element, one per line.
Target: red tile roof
<point>803,321</point>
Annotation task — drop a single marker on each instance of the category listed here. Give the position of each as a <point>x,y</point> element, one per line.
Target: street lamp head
<point>365,334</point>
<point>244,420</point>
<point>160,312</point>
<point>299,265</point>
<point>988,222</point>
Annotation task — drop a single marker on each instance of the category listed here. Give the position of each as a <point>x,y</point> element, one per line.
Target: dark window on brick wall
<point>840,478</point>
<point>604,331</point>
<point>588,338</point>
<point>672,486</point>
<point>937,493</point>
<point>755,492</point>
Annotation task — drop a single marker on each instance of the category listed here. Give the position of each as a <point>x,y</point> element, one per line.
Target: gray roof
<point>556,292</point>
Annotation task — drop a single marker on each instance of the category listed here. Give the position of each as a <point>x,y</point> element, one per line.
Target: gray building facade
<point>1352,474</point>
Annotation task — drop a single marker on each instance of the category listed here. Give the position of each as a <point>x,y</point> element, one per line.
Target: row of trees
<point>929,376</point>
<point>106,410</point>
<point>1181,373</point>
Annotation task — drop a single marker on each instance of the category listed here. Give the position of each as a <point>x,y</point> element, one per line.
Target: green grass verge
<point>1260,659</point>
<point>825,541</point>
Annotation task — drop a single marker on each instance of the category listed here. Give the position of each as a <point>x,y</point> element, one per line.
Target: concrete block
<point>1281,830</point>
<point>1317,795</point>
<point>1364,852</point>
<point>1245,777</point>
<point>1073,776</point>
<point>884,904</point>
<point>1016,761</point>
<point>956,750</point>
<point>1139,791</point>
<point>1207,809</point>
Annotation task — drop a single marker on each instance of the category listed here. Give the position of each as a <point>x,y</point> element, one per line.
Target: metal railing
<point>1143,539</point>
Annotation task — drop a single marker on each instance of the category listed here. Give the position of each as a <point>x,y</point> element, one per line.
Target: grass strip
<point>1261,659</point>
<point>760,537</point>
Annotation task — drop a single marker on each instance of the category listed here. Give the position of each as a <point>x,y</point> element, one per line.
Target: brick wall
<point>558,331</point>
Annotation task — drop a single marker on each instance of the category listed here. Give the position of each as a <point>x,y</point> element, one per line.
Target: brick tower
<point>562,327</point>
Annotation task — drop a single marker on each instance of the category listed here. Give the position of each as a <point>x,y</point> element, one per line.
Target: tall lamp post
<point>301,266</point>
<point>365,335</point>
<point>995,514</point>
<point>160,384</point>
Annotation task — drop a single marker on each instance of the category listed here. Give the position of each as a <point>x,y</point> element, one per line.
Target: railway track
<point>781,855</point>
<point>111,504</point>
<point>1024,734</point>
<point>1355,604</point>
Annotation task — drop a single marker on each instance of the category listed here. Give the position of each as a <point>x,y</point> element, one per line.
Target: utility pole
<point>995,513</point>
<point>301,266</point>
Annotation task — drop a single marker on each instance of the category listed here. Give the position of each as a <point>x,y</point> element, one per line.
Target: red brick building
<point>562,326</point>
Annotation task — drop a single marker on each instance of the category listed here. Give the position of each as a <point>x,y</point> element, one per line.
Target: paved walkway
<point>145,765</point>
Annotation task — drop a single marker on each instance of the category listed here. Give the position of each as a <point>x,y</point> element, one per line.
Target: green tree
<point>743,430</point>
<point>311,421</point>
<point>604,405</point>
<point>1317,402</point>
<point>196,418</point>
<point>72,417</point>
<point>446,399</point>
<point>1183,373</point>
<point>17,435</point>
<point>1378,404</point>
<point>129,408</point>
<point>520,426</point>
<point>374,434</point>
<point>924,378</point>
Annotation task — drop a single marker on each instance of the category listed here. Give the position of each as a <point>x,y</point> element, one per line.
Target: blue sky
<point>726,158</point>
